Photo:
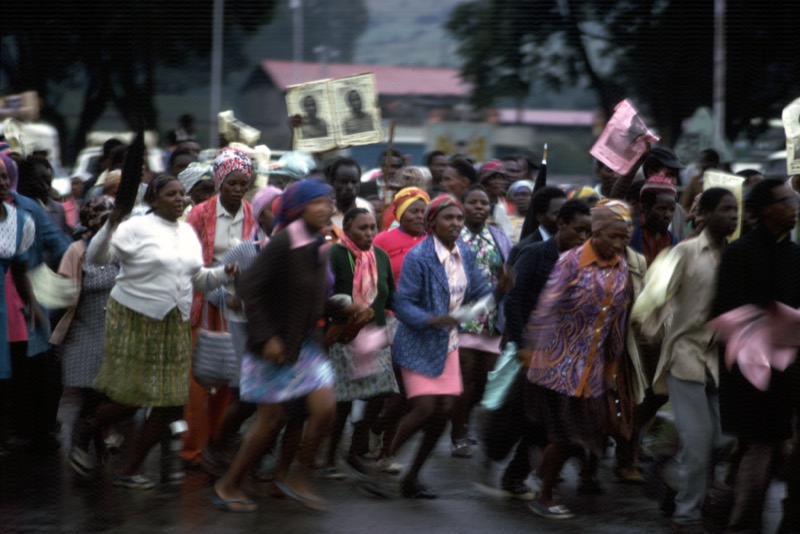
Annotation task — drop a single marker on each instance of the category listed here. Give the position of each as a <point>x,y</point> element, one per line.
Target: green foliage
<point>658,52</point>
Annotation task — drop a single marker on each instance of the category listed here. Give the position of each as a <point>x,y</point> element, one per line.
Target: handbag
<point>500,379</point>
<point>214,361</point>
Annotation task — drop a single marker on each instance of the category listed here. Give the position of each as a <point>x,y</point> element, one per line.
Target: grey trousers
<point>696,410</point>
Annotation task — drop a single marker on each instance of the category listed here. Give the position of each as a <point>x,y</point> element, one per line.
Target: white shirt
<point>338,217</point>
<point>228,230</point>
<point>160,262</point>
<point>545,234</point>
<point>457,280</point>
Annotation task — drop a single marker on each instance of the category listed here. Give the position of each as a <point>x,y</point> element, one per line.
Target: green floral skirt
<point>146,361</point>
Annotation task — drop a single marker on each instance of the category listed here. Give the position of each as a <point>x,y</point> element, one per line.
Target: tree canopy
<point>113,49</point>
<point>658,52</point>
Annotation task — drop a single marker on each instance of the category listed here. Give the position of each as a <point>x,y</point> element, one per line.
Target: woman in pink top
<point>409,209</point>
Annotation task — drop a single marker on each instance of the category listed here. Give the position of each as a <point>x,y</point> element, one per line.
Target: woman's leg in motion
<point>106,414</point>
<point>359,445</point>
<point>150,434</point>
<point>237,413</point>
<point>321,411</point>
<point>554,456</point>
<point>342,412</point>
<point>421,410</point>
<point>269,418</point>
<point>468,361</point>
<point>432,432</point>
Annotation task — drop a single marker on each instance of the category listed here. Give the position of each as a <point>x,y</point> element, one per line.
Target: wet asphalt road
<point>39,493</point>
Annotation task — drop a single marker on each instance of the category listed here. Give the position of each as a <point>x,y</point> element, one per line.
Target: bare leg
<point>468,362</point>
<point>342,413</point>
<point>269,418</point>
<point>422,409</point>
<point>433,430</point>
<point>149,435</point>
<point>554,457</point>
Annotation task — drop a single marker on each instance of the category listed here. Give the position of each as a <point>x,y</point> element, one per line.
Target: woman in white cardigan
<point>148,338</point>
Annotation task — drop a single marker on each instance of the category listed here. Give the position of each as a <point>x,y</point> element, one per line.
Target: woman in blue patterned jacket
<point>438,275</point>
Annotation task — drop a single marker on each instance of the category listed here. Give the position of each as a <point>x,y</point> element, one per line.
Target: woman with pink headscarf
<point>221,223</point>
<point>244,254</point>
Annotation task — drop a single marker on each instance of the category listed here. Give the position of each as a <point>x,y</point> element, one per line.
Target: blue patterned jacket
<point>424,293</point>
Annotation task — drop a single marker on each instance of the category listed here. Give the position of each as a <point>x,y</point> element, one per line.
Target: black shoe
<point>416,491</point>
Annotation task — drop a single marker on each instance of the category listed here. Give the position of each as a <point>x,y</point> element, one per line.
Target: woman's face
<point>233,188</point>
<point>265,220</point>
<point>413,219</point>
<point>612,240</point>
<point>362,230</point>
<point>201,191</point>
<point>453,182</point>
<point>169,202</point>
<point>522,200</point>
<point>476,209</point>
<point>317,213</point>
<point>448,224</point>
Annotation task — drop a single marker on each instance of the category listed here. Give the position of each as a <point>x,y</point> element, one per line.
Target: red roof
<point>391,80</point>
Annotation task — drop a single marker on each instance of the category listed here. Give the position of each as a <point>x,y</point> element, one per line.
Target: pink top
<point>17,328</point>
<point>396,243</point>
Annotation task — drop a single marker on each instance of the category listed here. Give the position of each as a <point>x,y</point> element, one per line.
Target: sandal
<point>556,511</point>
<point>239,506</point>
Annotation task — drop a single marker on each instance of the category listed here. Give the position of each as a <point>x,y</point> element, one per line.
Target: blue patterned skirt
<point>263,382</point>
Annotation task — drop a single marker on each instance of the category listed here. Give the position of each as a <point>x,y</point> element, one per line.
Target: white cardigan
<point>160,263</point>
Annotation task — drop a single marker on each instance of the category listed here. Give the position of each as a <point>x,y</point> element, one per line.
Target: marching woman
<point>363,272</point>
<point>479,338</point>
<point>148,337</point>
<point>570,367</point>
<point>221,223</point>
<point>437,277</point>
<point>285,295</point>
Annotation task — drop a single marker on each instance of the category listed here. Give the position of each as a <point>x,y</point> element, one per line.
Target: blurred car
<point>86,164</point>
<point>775,165</point>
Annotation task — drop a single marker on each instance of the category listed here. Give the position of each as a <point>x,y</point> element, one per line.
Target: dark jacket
<point>758,270</point>
<point>284,294</point>
<point>535,237</point>
<point>532,269</point>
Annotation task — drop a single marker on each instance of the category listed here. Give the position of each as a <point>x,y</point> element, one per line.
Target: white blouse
<point>8,233</point>
<point>160,263</point>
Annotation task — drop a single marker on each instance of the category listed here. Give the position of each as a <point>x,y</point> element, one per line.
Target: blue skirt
<point>263,382</point>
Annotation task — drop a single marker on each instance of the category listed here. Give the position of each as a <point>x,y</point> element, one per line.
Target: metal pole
<point>216,70</point>
<point>297,38</point>
<point>718,129</point>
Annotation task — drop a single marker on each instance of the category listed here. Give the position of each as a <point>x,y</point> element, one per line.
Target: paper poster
<point>731,182</point>
<point>791,124</point>
<point>336,113</point>
<point>623,140</point>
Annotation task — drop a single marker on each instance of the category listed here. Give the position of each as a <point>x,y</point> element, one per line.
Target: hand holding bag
<point>214,360</point>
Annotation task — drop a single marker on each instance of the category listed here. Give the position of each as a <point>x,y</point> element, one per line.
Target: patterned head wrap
<point>581,193</point>
<point>229,160</point>
<point>195,172</point>
<point>10,166</point>
<point>297,196</point>
<point>609,211</point>
<point>491,168</point>
<point>438,204</point>
<point>405,197</point>
<point>94,214</point>
<point>658,184</point>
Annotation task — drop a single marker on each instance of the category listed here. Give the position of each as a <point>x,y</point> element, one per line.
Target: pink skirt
<point>447,383</point>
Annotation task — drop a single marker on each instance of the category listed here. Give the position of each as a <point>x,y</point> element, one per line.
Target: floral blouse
<point>490,264</point>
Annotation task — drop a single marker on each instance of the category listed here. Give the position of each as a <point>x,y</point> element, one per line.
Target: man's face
<point>346,184</point>
<point>310,106</point>
<point>513,170</point>
<point>395,164</point>
<point>725,217</point>
<point>659,215</point>
<point>780,216</point>
<point>549,219</point>
<point>437,168</point>
<point>354,99</point>
<point>576,232</point>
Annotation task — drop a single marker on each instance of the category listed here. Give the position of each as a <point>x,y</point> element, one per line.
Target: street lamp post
<point>216,69</point>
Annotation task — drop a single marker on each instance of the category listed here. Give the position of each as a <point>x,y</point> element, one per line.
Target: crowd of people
<point>570,315</point>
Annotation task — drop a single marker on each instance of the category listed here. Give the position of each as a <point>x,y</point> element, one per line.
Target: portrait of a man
<point>359,121</point>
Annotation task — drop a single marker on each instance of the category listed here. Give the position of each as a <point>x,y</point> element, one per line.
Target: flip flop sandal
<point>240,506</point>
